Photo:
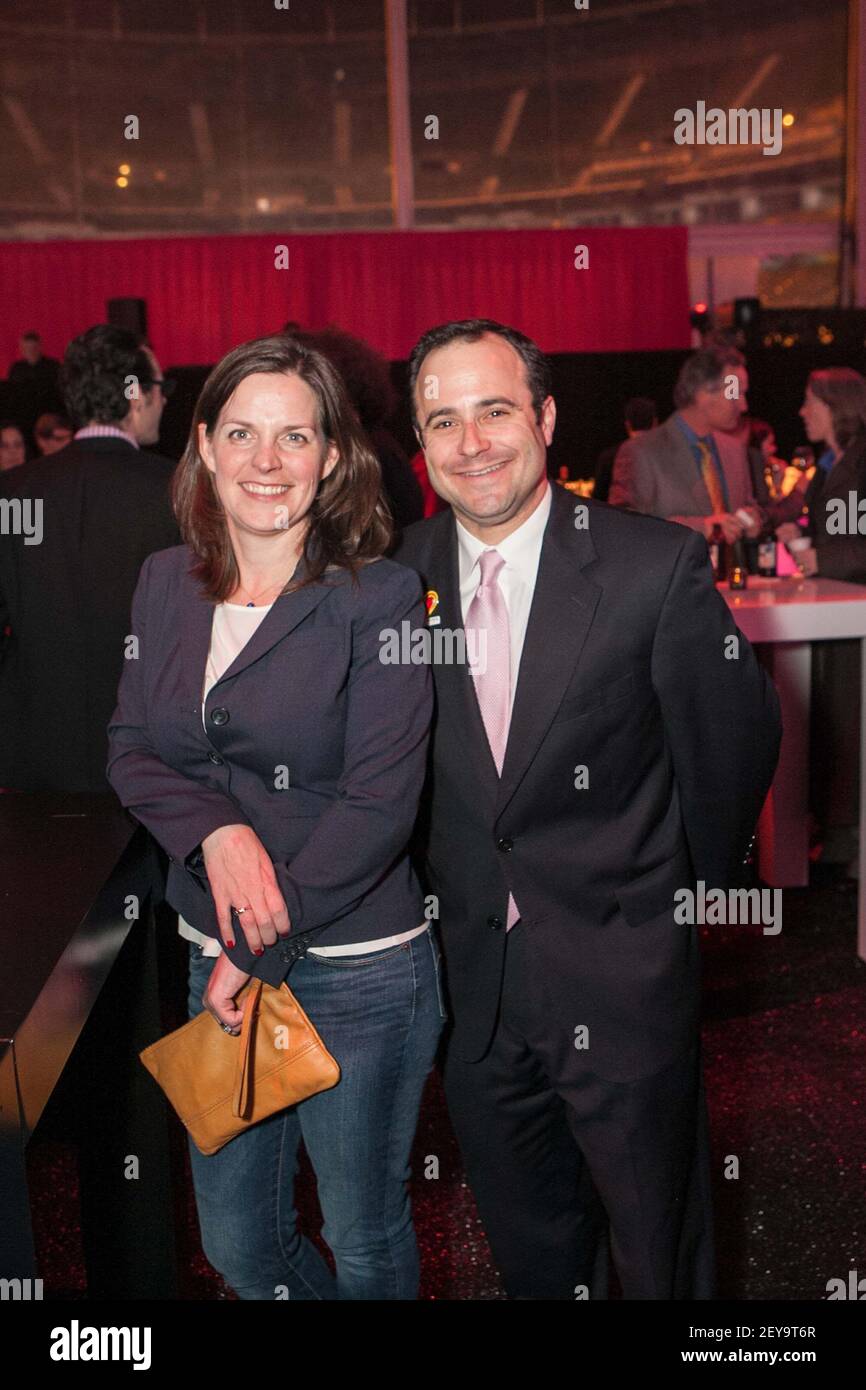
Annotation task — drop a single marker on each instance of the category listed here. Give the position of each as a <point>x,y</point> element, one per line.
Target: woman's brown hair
<point>348,522</point>
<point>844,391</point>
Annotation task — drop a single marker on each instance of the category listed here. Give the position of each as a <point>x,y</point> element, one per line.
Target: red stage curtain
<point>206,294</point>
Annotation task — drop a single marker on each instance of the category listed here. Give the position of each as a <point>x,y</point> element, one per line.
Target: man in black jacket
<point>613,744</point>
<point>75,529</point>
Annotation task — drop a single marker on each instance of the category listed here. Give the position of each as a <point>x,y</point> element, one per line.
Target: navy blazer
<point>308,701</point>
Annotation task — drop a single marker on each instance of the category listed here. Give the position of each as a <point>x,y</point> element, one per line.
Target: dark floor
<point>785,1059</point>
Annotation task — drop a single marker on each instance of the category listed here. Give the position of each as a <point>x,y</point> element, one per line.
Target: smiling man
<point>611,751</point>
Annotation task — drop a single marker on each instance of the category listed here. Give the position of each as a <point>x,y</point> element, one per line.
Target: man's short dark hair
<point>95,370</point>
<point>640,413</point>
<point>471,331</point>
<point>31,336</point>
<point>706,367</point>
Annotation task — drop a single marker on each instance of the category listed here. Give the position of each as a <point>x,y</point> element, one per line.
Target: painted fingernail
<point>260,951</point>
<point>230,944</point>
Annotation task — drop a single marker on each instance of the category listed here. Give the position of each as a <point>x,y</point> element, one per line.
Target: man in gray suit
<point>675,471</point>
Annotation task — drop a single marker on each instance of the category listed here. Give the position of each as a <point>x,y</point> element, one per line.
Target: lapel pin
<point>431,600</point>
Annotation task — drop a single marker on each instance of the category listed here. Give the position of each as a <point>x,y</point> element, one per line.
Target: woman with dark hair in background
<point>13,448</point>
<point>834,412</point>
<point>279,759</point>
<point>367,380</point>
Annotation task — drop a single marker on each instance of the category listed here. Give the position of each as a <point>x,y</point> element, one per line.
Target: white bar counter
<point>782,618</point>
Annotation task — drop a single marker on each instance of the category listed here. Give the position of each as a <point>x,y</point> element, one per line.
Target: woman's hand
<point>241,874</point>
<point>225,982</point>
<point>807,561</point>
<point>789,531</point>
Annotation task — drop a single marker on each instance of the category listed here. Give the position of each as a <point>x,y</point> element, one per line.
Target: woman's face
<point>816,416</point>
<point>12,450</point>
<point>267,454</point>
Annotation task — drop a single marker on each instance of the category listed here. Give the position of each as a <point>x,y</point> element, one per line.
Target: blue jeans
<point>381,1016</point>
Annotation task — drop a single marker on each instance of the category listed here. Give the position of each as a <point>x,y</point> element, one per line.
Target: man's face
<point>31,350</point>
<point>485,450</point>
<point>146,411</point>
<point>723,409</point>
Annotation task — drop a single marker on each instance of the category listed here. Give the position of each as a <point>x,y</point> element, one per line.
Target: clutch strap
<point>243,1066</point>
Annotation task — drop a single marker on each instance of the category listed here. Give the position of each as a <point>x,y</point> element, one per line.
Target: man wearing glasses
<point>94,511</point>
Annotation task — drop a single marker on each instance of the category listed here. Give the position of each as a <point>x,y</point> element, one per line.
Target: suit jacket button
<point>505,845</point>
<point>495,923</point>
<point>215,758</point>
<point>219,715</point>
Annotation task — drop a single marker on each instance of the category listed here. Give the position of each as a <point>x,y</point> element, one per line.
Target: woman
<point>13,450</point>
<point>279,762</point>
<point>834,411</point>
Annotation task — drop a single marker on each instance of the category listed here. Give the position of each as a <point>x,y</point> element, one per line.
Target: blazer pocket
<point>577,705</point>
<point>652,894</point>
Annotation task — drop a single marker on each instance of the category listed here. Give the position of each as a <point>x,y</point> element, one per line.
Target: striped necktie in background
<point>710,475</point>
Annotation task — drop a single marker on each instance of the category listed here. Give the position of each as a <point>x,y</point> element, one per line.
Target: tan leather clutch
<point>221,1085</point>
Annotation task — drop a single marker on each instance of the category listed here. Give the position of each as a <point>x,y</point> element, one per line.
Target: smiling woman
<point>284,785</point>
<point>276,467</point>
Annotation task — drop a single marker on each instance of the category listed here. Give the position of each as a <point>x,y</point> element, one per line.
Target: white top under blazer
<point>233,626</point>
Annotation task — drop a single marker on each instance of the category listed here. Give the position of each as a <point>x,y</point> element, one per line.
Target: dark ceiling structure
<point>251,116</point>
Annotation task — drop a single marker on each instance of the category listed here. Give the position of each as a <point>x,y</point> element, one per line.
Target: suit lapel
<point>563,608</point>
<point>458,712</point>
<point>197,622</point>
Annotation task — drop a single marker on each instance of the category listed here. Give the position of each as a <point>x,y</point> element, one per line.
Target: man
<point>603,754</point>
<point>66,588</point>
<point>52,433</point>
<point>677,471</point>
<point>32,368</point>
<point>639,416</point>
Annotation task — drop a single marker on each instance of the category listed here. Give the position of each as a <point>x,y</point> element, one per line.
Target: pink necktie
<point>487,619</point>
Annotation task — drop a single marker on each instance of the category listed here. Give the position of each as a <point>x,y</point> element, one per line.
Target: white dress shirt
<point>521,552</point>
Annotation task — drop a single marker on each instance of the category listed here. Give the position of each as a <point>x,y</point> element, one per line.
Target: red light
<point>700,308</point>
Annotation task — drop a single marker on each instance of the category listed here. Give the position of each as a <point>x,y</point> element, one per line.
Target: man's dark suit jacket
<point>623,673</point>
<point>308,693</point>
<point>66,604</point>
